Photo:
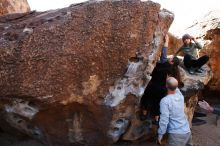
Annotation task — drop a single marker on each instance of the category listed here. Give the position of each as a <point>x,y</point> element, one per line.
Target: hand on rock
<point>166,38</point>
<point>204,105</point>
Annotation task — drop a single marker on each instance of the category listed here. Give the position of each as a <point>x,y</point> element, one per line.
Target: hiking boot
<point>143,117</point>
<point>155,123</point>
<point>198,114</point>
<point>199,70</point>
<point>191,71</point>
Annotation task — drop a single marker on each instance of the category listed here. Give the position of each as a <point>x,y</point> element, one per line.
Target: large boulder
<point>191,87</point>
<point>174,44</point>
<point>208,31</point>
<point>13,6</point>
<point>75,76</point>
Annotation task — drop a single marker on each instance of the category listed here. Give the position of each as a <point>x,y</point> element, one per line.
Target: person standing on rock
<point>189,50</point>
<point>204,105</point>
<point>172,118</point>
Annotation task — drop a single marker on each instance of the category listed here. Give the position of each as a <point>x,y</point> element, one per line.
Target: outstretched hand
<point>204,105</point>
<point>166,38</point>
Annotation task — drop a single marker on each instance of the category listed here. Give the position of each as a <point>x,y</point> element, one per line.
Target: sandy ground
<point>208,134</point>
<point>203,135</point>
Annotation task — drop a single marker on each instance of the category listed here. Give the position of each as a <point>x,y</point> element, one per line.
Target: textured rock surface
<point>192,85</point>
<point>174,44</point>
<point>208,30</point>
<point>213,49</point>
<point>65,74</point>
<point>13,6</point>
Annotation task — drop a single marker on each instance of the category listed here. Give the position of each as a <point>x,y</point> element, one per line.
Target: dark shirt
<point>162,69</point>
<point>156,88</point>
<point>160,72</point>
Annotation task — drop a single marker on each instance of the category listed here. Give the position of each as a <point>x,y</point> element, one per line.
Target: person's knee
<point>206,57</point>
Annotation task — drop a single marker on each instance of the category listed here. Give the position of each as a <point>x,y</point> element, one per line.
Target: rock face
<point>174,44</point>
<point>192,85</point>
<point>13,6</point>
<point>75,76</point>
<point>213,49</point>
<point>208,30</point>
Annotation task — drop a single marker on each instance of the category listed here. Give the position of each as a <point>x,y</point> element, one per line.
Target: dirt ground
<point>208,134</point>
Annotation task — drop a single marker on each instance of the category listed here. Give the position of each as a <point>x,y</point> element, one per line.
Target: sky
<point>186,11</point>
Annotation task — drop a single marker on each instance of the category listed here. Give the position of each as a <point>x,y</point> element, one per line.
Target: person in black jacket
<point>156,88</point>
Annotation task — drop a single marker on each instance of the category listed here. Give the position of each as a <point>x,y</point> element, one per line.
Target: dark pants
<point>151,98</point>
<point>190,62</point>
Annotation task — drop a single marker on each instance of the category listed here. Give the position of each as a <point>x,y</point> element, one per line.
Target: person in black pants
<point>190,62</point>
<point>156,89</point>
<point>189,50</point>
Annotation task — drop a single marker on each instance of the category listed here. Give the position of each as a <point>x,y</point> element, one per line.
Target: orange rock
<point>67,75</point>
<point>13,6</point>
<point>174,44</point>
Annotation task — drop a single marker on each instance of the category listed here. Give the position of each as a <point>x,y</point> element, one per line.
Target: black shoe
<point>155,123</point>
<point>198,122</point>
<point>199,70</point>
<point>143,117</point>
<point>197,114</point>
<point>191,71</point>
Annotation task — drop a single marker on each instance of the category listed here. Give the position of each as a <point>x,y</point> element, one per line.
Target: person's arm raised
<point>163,56</point>
<point>205,105</point>
<point>198,45</point>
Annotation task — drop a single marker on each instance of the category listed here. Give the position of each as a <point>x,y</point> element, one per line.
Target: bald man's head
<point>171,83</point>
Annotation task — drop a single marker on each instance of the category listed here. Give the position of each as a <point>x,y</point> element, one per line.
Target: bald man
<point>172,118</point>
